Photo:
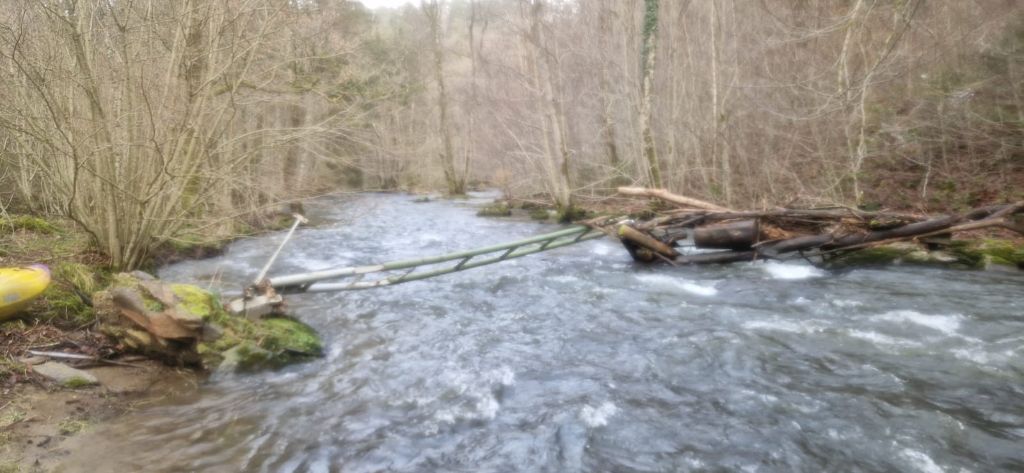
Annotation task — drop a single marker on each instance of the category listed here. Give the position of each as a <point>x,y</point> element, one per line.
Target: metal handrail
<point>313,281</point>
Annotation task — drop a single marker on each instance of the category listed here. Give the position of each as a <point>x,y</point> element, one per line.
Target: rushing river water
<point>579,360</point>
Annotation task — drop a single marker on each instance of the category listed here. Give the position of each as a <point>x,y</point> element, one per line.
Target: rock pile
<point>186,325</point>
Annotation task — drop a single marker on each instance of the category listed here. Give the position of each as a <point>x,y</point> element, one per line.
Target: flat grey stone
<point>142,275</point>
<point>212,332</point>
<point>65,375</point>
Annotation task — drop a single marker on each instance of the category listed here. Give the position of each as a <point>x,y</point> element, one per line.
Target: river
<point>578,360</point>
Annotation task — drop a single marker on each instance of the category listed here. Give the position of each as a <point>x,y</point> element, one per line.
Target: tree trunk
<point>650,41</point>
<point>456,183</point>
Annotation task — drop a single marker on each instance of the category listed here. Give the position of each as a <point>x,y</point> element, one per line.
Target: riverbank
<point>39,412</point>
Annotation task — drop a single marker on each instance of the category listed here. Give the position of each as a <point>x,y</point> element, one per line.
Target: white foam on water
<point>881,339</point>
<point>973,355</point>
<point>790,271</point>
<point>311,263</point>
<point>845,303</point>
<point>698,290</point>
<point>921,462</point>
<point>476,391</point>
<point>601,250</point>
<point>947,324</point>
<point>988,359</point>
<point>598,416</point>
<point>670,282</point>
<point>777,325</point>
<point>431,238</point>
<point>565,279</point>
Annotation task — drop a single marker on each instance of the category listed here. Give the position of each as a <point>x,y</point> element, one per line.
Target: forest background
<point>148,121</point>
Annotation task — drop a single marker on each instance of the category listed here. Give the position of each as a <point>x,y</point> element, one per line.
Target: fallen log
<point>741,235</point>
<point>822,231</point>
<point>628,233</point>
<point>670,198</point>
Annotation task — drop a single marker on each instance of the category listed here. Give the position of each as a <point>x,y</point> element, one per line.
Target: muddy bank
<point>39,419</point>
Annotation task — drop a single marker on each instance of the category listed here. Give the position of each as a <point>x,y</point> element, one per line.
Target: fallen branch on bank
<point>779,233</point>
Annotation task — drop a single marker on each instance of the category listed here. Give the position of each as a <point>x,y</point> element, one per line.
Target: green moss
<point>248,344</point>
<point>62,305</point>
<point>498,209</point>
<point>539,213</point>
<point>245,356</point>
<point>572,214</point>
<point>291,335</point>
<point>195,300</point>
<point>127,281</point>
<point>980,254</point>
<point>75,383</point>
<point>29,223</point>
<point>9,468</point>
<point>875,256</point>
<point>1003,252</point>
<point>964,254</point>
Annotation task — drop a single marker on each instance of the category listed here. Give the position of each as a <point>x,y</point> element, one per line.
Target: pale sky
<point>371,4</point>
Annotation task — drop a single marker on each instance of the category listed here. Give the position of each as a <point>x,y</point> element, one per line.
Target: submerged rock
<point>65,375</point>
<point>184,324</point>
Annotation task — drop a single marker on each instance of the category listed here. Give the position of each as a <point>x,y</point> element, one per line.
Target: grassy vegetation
<point>10,416</point>
<point>77,269</point>
<point>28,223</point>
<point>10,368</point>
<point>71,426</point>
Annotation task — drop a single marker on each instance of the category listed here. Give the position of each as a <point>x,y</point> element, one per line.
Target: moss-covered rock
<point>875,256</point>
<point>497,209</point>
<point>960,254</point>
<point>540,213</point>
<point>1001,253</point>
<point>223,341</point>
<point>572,214</point>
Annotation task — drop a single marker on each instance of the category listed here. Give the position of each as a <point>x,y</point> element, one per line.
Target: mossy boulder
<point>213,339</point>
<point>497,209</point>
<point>959,254</point>
<point>990,253</point>
<point>540,213</point>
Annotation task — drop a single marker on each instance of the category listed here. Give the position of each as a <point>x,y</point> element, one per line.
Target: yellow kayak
<point>19,286</point>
